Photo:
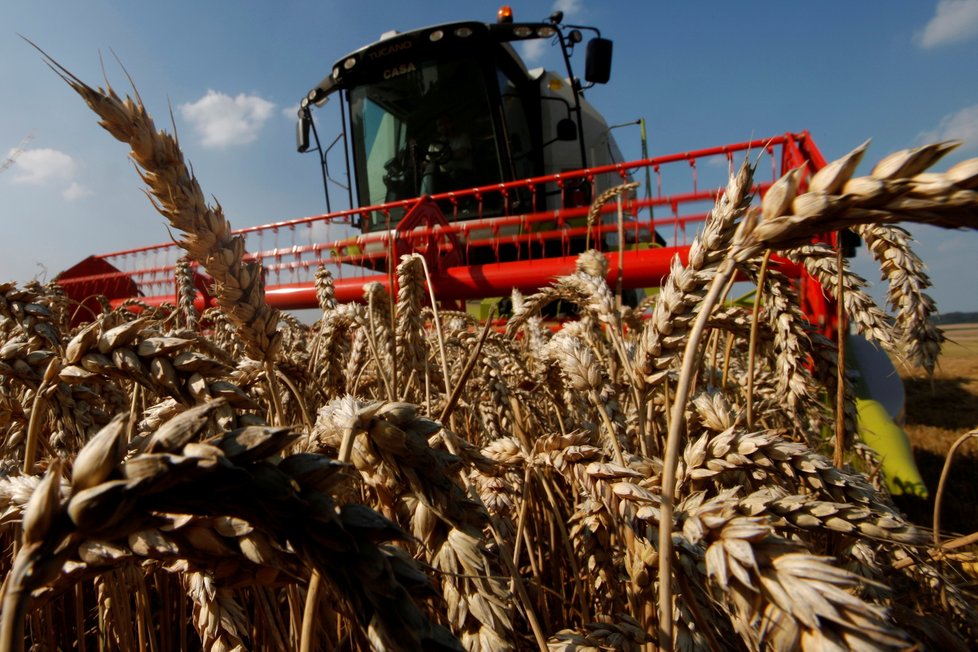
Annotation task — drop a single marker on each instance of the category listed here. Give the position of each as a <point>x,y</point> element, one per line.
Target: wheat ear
<point>239,286</point>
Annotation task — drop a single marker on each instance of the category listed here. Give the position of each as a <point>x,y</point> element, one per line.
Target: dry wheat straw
<point>170,475</point>
<point>920,339</point>
<point>545,479</point>
<point>207,238</point>
<point>869,320</point>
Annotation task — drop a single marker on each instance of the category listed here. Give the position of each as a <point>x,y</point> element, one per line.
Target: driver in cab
<point>448,163</point>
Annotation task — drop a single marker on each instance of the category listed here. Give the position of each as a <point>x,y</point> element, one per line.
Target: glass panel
<point>516,128</point>
<point>423,129</point>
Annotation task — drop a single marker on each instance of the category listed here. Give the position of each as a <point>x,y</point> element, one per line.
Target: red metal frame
<point>489,244</point>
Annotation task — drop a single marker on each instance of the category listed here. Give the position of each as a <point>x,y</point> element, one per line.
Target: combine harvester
<point>454,150</point>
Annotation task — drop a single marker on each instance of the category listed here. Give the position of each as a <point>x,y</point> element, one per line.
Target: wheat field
<point>933,429</point>
<point>685,474</point>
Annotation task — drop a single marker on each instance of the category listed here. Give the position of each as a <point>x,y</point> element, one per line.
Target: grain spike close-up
<point>689,471</point>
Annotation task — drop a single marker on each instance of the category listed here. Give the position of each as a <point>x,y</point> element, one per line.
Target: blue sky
<point>898,72</point>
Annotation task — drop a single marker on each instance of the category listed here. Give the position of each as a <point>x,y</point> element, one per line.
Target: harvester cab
<point>453,107</point>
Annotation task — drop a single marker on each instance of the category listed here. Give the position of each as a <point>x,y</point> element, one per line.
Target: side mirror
<point>597,64</point>
<point>302,131</point>
<point>566,129</point>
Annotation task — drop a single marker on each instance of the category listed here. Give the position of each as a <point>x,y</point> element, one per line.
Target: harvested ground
<point>939,411</point>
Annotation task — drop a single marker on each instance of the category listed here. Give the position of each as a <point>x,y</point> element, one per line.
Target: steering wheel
<point>439,152</point>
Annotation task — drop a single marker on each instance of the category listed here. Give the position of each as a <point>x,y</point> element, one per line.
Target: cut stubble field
<point>939,410</point>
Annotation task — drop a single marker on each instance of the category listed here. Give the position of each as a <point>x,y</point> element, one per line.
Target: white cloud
<point>75,191</point>
<point>962,125</point>
<point>37,166</point>
<point>291,112</point>
<point>533,51</point>
<point>45,167</point>
<point>221,120</point>
<point>954,20</point>
<point>569,7</point>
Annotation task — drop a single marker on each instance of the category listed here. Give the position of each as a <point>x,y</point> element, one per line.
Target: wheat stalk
<point>207,238</point>
<point>170,474</point>
<point>549,481</point>
<point>920,339</point>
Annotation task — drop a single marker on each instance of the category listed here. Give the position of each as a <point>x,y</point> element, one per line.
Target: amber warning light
<point>504,15</point>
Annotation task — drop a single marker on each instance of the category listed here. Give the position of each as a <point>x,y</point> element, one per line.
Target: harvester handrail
<point>584,173</point>
<point>467,233</point>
